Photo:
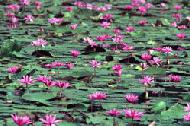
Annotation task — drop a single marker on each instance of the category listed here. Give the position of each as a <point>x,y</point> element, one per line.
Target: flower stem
<point>114,122</point>
<point>146,93</point>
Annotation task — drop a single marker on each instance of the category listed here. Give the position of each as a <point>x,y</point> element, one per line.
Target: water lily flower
<point>155,61</point>
<point>13,22</point>
<point>174,78</point>
<point>90,6</point>
<point>126,47</point>
<point>144,66</point>
<point>14,69</point>
<point>13,7</point>
<point>132,98</point>
<point>97,96</point>
<point>186,117</point>
<point>39,42</point>
<point>128,7</point>
<point>130,29</point>
<point>101,9</point>
<point>103,37</point>
<point>174,24</point>
<point>90,42</point>
<point>182,27</point>
<point>25,2</point>
<point>118,38</point>
<point>49,120</point>
<point>105,24</point>
<point>107,17</point>
<point>73,26</point>
<point>180,36</point>
<point>113,112</point>
<point>57,64</point>
<point>43,79</point>
<point>143,22</point>
<point>117,69</point>
<point>29,18</point>
<point>95,64</point>
<point>116,31</point>
<point>177,7</point>
<point>146,56</point>
<point>166,50</point>
<point>69,65</point>
<point>80,4</point>
<point>62,84</point>
<point>177,16</point>
<point>148,5</point>
<point>75,53</point>
<point>26,80</point>
<point>21,120</point>
<point>133,114</point>
<point>146,80</point>
<point>10,15</point>
<point>69,9</point>
<point>142,9</point>
<point>38,4</point>
<point>187,108</point>
<point>55,21</point>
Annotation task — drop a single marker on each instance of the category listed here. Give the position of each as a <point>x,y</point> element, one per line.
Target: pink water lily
<point>55,21</point>
<point>105,24</point>
<point>62,84</point>
<point>44,79</point>
<point>75,53</point>
<point>107,17</point>
<point>186,117</point>
<point>155,61</point>
<point>166,50</point>
<point>49,120</point>
<point>25,2</point>
<point>144,66</point>
<point>117,69</point>
<point>181,36</point>
<point>26,80</point>
<point>21,120</point>
<point>69,9</point>
<point>128,7</point>
<point>73,26</point>
<point>97,96</point>
<point>57,64</point>
<point>13,22</point>
<point>113,112</point>
<point>142,9</point>
<point>90,42</point>
<point>38,4</point>
<point>133,114</point>
<point>69,65</point>
<point>177,7</point>
<point>14,69</point>
<point>13,7</point>
<point>132,98</point>
<point>146,56</point>
<point>95,63</point>
<point>39,42</point>
<point>174,78</point>
<point>187,108</point>
<point>181,27</point>
<point>29,18</point>
<point>143,22</point>
<point>118,38</point>
<point>177,16</point>
<point>130,29</point>
<point>146,80</point>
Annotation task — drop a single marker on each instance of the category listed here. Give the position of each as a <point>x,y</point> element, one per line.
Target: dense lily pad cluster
<point>95,63</point>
